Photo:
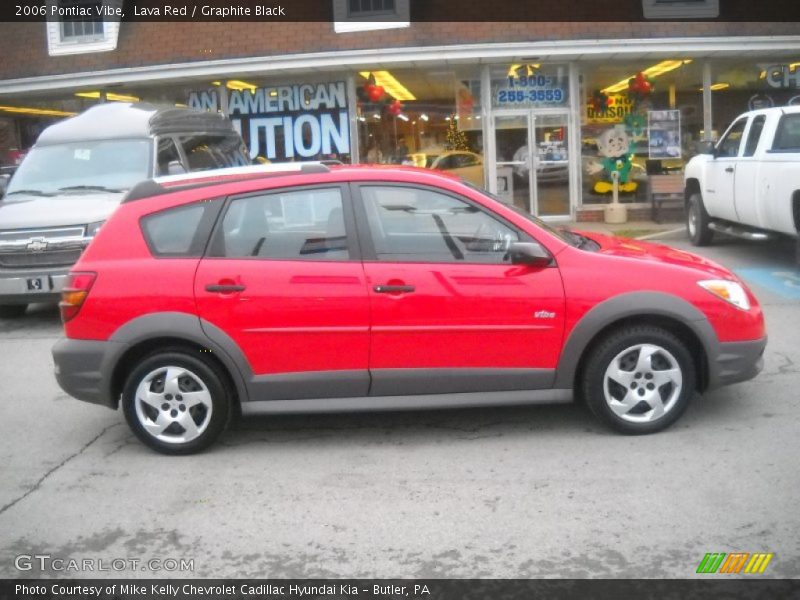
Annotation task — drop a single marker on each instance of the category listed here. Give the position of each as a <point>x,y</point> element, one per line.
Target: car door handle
<point>394,289</point>
<point>729,169</point>
<point>222,288</point>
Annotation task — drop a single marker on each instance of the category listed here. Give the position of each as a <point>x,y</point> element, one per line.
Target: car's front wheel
<point>175,402</point>
<point>639,379</point>
<point>11,311</point>
<point>697,221</point>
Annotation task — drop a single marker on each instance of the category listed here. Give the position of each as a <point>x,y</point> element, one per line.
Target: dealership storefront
<point>540,125</point>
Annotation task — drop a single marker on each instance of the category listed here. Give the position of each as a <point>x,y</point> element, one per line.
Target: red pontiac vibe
<point>313,289</point>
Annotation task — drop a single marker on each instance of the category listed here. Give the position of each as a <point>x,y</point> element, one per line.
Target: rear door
<point>283,278</point>
<point>449,312</point>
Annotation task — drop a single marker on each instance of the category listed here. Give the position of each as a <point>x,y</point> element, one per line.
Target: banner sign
<point>290,122</point>
<point>531,88</point>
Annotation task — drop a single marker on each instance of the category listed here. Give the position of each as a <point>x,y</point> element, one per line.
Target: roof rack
<point>163,185</point>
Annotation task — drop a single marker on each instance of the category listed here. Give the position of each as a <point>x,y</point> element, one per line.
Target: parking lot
<point>516,492</point>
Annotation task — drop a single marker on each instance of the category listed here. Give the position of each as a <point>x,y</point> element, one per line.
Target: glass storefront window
<point>739,86</point>
<point>437,124</point>
<point>652,129</point>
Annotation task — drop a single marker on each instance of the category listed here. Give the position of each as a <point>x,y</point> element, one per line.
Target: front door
<point>719,196</point>
<point>539,181</point>
<point>449,313</point>
<point>284,280</point>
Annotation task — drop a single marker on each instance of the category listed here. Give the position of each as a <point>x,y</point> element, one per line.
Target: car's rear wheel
<point>11,311</point>
<point>176,403</point>
<point>697,221</point>
<point>639,379</point>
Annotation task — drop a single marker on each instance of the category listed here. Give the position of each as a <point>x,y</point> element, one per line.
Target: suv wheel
<point>639,379</point>
<point>10,311</point>
<point>697,221</point>
<point>176,403</point>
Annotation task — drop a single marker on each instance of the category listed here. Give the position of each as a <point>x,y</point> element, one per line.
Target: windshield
<point>105,164</point>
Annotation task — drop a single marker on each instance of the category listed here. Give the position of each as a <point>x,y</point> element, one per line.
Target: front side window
<point>756,127</point>
<point>729,145</point>
<point>112,165</point>
<point>168,160</point>
<point>291,225</point>
<point>420,225</point>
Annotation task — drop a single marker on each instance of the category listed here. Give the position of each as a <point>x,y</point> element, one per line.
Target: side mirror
<point>706,147</point>
<point>174,167</point>
<point>529,253</point>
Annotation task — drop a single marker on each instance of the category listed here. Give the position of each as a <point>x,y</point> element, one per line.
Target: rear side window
<point>292,225</point>
<point>207,151</point>
<point>787,138</point>
<point>180,232</point>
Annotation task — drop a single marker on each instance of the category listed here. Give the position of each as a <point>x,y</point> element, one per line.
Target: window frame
<point>215,248</point>
<point>59,45</point>
<point>201,240</point>
<point>365,233</point>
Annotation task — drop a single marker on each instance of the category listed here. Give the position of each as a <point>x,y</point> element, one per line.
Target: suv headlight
<point>93,228</point>
<point>730,291</point>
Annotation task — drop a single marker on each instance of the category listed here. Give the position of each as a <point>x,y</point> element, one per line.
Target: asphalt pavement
<point>515,492</point>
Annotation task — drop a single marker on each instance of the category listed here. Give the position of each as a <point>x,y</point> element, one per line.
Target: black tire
<point>697,221</point>
<point>12,311</point>
<point>195,369</point>
<point>619,348</point>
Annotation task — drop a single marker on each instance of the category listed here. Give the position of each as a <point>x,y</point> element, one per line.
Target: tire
<point>697,221</point>
<point>154,400</point>
<point>12,311</point>
<point>639,379</point>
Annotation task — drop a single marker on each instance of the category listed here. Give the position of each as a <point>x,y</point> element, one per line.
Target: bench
<point>665,188</point>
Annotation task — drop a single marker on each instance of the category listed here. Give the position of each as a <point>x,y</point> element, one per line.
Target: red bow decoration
<point>395,108</point>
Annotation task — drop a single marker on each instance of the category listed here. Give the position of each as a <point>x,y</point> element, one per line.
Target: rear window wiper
<point>32,192</point>
<point>99,188</point>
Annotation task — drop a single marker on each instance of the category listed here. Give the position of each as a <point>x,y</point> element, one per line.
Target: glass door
<point>539,181</point>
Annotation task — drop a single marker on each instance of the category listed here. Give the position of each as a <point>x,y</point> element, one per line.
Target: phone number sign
<point>531,91</point>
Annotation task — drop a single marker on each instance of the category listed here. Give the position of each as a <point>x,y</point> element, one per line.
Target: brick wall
<point>23,46</point>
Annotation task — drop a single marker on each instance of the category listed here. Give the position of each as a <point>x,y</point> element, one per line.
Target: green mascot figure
<point>614,145</point>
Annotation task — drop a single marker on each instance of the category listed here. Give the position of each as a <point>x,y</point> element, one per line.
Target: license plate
<point>38,284</point>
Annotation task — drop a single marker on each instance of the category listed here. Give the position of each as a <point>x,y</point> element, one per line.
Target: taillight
<point>75,291</point>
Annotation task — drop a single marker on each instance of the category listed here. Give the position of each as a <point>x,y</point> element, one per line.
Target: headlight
<point>730,291</point>
<point>93,228</point>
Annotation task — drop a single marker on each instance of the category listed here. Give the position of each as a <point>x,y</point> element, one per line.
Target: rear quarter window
<point>180,232</point>
<point>787,137</point>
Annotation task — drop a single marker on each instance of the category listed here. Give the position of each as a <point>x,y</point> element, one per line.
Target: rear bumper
<point>735,362</point>
<point>83,369</point>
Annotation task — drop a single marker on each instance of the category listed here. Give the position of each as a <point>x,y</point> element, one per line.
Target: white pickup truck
<point>748,184</point>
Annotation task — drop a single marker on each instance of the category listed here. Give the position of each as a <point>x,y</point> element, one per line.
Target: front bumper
<point>15,288</point>
<point>83,369</point>
<point>735,362</point>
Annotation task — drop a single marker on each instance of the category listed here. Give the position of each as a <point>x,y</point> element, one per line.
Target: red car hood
<point>617,246</point>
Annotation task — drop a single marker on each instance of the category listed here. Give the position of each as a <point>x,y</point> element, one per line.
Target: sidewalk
<point>631,229</point>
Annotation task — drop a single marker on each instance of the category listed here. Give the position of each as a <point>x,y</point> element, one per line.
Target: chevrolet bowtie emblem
<point>37,245</point>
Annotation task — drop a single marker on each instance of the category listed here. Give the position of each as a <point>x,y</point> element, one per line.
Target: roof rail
<point>169,183</point>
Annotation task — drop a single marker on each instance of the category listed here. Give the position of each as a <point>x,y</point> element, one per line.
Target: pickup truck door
<point>718,196</point>
<point>747,174</point>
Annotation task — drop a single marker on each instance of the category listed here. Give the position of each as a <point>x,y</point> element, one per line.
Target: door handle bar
<point>225,288</point>
<point>394,289</point>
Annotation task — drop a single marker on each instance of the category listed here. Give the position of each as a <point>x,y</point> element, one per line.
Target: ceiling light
<point>529,69</point>
<point>390,85</point>
<point>108,96</point>
<point>42,112</point>
<point>235,84</point>
<point>652,72</point>
<point>719,86</point>
<point>403,117</point>
<point>424,117</point>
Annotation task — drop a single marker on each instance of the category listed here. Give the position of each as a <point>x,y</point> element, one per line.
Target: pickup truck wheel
<point>176,403</point>
<point>697,221</point>
<point>639,379</point>
<point>10,311</point>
